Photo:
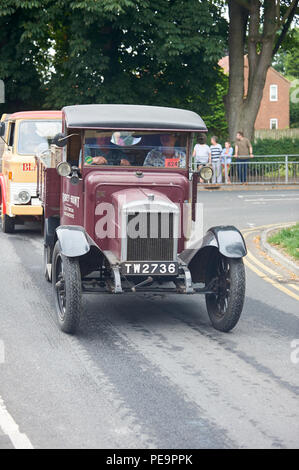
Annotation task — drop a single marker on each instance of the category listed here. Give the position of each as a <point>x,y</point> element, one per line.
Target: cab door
<point>9,146</point>
<point>71,208</point>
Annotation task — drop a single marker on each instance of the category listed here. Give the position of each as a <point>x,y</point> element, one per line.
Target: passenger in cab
<point>167,155</point>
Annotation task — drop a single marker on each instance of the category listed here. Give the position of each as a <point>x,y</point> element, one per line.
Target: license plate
<point>151,268</point>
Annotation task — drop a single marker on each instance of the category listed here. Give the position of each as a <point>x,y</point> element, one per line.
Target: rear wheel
<point>66,280</point>
<point>225,306</point>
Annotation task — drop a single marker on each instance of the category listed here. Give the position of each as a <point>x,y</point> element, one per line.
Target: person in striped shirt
<point>216,152</point>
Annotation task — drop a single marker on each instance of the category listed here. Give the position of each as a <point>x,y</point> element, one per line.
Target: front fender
<point>3,193</point>
<point>73,240</point>
<point>230,241</point>
<point>226,240</point>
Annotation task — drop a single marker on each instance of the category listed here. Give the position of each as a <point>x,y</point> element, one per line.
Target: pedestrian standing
<point>201,153</point>
<point>226,160</point>
<point>216,151</point>
<point>243,153</point>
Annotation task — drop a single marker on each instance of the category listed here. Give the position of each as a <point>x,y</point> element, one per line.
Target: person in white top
<point>201,153</point>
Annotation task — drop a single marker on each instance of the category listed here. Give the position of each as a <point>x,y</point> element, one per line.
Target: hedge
<point>285,146</point>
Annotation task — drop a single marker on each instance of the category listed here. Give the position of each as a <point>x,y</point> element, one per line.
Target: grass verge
<point>287,239</point>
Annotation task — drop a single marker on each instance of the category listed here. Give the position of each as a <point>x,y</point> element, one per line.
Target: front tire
<point>66,281</point>
<point>225,306</point>
<point>8,224</point>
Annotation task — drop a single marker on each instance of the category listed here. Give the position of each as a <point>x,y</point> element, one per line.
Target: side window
<point>273,93</point>
<point>11,134</point>
<point>74,148</point>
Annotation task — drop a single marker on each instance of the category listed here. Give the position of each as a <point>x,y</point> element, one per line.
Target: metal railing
<point>262,169</point>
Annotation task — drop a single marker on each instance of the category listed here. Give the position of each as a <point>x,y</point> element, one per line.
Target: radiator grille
<point>156,239</point>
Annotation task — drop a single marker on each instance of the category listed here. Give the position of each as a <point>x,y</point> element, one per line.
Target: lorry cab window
<point>34,133</point>
<point>138,148</point>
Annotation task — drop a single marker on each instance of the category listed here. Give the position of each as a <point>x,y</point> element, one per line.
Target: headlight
<point>206,173</point>
<point>64,169</point>
<point>24,197</point>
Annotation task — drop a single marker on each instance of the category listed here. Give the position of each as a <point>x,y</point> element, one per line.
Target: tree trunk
<point>245,14</point>
<point>236,41</point>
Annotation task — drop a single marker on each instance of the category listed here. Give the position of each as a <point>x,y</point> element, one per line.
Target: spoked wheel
<point>66,280</point>
<point>225,306</point>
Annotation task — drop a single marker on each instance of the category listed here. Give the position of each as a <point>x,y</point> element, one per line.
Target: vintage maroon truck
<point>120,204</point>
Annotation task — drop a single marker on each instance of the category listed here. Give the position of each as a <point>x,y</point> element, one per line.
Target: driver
<point>112,156</point>
<point>157,156</point>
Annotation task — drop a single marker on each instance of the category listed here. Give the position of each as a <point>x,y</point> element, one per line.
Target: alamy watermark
<point>2,92</point>
<point>295,351</point>
<point>148,220</point>
<point>2,352</point>
<point>294,96</point>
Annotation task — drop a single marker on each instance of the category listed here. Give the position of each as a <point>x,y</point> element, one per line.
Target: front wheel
<point>226,304</point>
<point>8,224</point>
<point>66,281</point>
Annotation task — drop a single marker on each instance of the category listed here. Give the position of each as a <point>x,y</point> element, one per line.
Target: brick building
<point>274,112</point>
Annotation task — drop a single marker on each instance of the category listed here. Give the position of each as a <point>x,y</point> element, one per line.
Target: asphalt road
<point>149,371</point>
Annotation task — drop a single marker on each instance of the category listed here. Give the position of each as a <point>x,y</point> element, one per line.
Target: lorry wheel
<point>225,306</point>
<point>8,224</point>
<point>66,281</point>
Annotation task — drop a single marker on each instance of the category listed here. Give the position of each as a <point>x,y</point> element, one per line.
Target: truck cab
<point>24,135</point>
<point>121,213</point>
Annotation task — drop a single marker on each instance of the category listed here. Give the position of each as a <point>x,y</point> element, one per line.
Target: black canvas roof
<point>121,116</point>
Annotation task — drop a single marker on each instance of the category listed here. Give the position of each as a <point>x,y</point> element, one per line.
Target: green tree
<point>159,52</point>
<point>291,55</point>
<point>287,63</point>
<point>23,57</point>
<point>216,118</point>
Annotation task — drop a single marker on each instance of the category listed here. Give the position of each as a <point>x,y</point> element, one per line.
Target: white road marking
<point>11,429</point>
<point>296,194</point>
<point>272,199</point>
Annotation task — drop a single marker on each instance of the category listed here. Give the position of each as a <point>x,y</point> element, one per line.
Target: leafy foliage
<point>216,119</point>
<point>287,62</point>
<point>23,35</point>
<point>150,52</point>
<point>160,52</point>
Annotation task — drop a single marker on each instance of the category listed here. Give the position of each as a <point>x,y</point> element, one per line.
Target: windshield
<point>36,136</point>
<point>142,149</point>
